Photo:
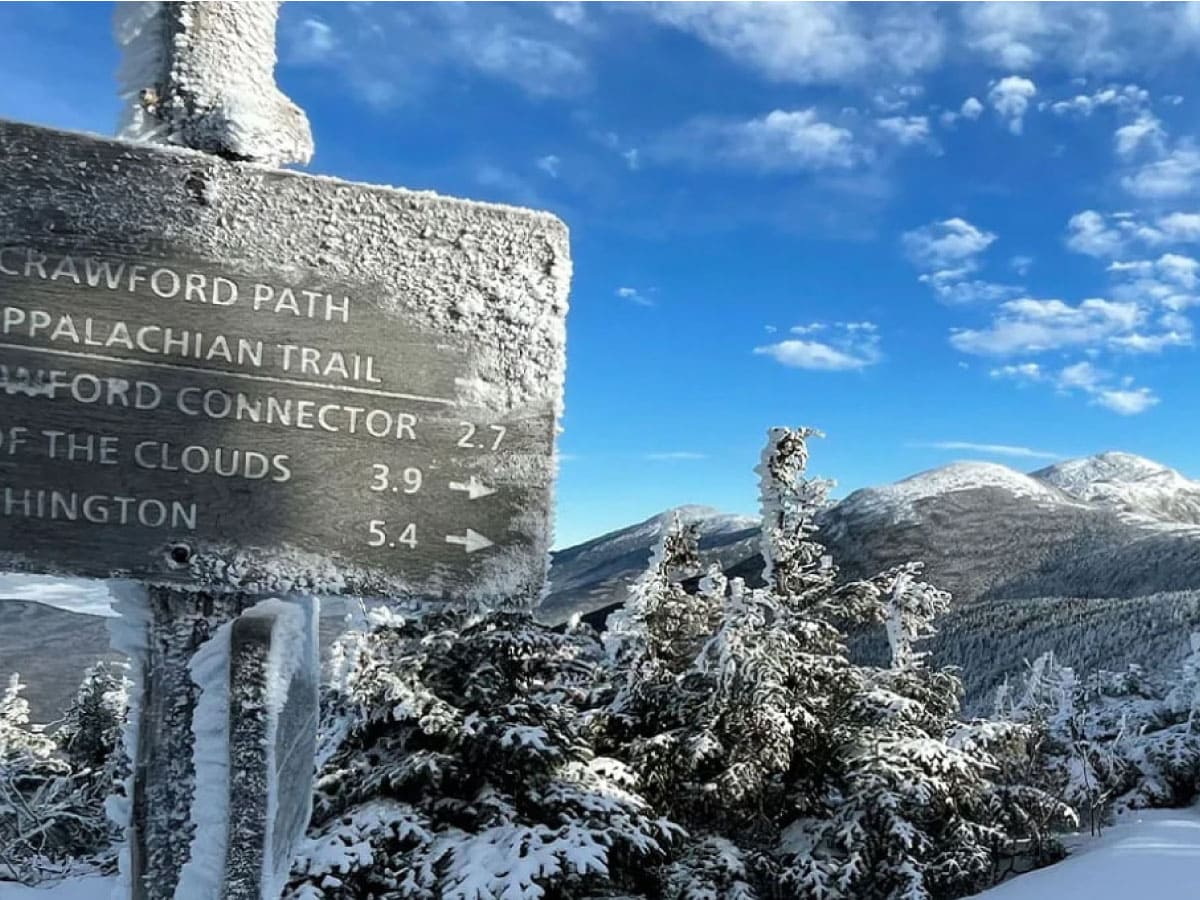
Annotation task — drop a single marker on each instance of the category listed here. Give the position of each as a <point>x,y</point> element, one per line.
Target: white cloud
<point>1100,39</point>
<point>549,164</point>
<point>782,140</point>
<point>1089,233</point>
<point>971,108</point>
<point>1082,375</point>
<point>1085,378</point>
<point>1010,98</point>
<point>675,456</point>
<point>1168,283</point>
<point>907,130</point>
<point>540,67</point>
<point>800,354</point>
<point>632,159</point>
<point>844,346</point>
<point>1145,130</point>
<point>1180,227</point>
<point>1122,397</point>
<point>993,449</point>
<point>312,41</point>
<point>1127,402</point>
<point>951,286</point>
<point>948,244</point>
<point>1121,97</point>
<point>1153,343</point>
<point>948,250</point>
<point>572,14</point>
<point>1023,372</point>
<point>389,54</point>
<point>1021,264</point>
<point>635,295</point>
<point>813,42</point>
<point>1031,326</point>
<point>1097,235</point>
<point>1175,174</point>
<point>1178,269</point>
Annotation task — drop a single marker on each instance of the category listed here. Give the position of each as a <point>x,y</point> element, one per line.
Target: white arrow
<point>474,488</point>
<point>470,542</point>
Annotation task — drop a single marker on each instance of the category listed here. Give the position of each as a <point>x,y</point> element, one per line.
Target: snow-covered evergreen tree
<point>90,732</point>
<point>89,739</point>
<point>918,810</point>
<point>464,769</point>
<point>715,716</point>
<point>23,747</point>
<point>796,772</point>
<point>50,815</point>
<point>1184,696</point>
<point>1113,740</point>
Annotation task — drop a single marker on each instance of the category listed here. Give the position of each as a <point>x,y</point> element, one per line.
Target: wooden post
<point>201,75</point>
<point>161,831</point>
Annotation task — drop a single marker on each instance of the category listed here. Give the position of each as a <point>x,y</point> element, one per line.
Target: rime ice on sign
<point>246,379</point>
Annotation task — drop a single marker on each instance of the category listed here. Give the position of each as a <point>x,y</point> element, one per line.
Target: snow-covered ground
<point>80,595</point>
<point>1154,855</point>
<point>83,888</point>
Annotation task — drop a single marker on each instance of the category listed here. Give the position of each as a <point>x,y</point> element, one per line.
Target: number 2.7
<point>469,433</point>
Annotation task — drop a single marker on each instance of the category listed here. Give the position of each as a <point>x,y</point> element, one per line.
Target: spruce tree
<point>90,733</point>
<point>794,771</point>
<point>463,769</point>
<point>51,817</point>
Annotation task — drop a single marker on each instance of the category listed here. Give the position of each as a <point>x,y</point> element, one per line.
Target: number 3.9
<point>381,478</point>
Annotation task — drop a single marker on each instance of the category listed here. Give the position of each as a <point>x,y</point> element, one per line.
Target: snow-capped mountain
<point>1128,483</point>
<point>1092,527</point>
<point>595,574</point>
<point>897,503</point>
<point>1112,525</point>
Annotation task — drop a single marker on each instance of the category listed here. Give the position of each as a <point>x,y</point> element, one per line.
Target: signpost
<point>265,381</point>
<point>230,383</point>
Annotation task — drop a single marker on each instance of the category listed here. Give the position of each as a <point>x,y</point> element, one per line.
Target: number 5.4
<point>377,528</point>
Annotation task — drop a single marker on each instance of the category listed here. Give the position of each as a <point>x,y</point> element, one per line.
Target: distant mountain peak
<point>1111,465</point>
<point>1128,483</point>
<point>896,501</point>
<point>689,512</point>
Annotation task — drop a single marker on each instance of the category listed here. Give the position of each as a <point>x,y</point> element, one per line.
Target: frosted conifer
<point>464,770</point>
<point>51,817</point>
<point>90,733</point>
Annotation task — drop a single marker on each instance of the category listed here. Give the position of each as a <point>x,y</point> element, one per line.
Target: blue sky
<point>936,232</point>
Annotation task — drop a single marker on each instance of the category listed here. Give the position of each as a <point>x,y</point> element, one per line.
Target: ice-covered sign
<point>221,375</point>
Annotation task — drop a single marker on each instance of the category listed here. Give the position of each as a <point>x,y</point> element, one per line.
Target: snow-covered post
<point>202,75</point>
<point>204,800</point>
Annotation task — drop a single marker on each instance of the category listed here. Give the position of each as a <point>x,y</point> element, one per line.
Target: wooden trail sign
<point>234,378</point>
<point>241,387</point>
<point>229,382</point>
